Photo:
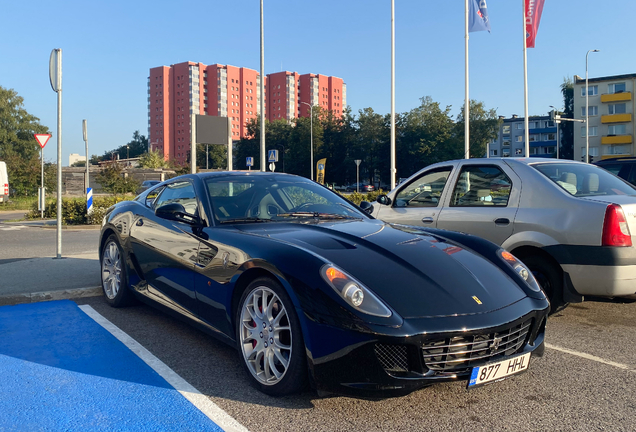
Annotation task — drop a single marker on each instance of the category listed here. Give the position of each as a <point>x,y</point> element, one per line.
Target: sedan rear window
<point>584,180</point>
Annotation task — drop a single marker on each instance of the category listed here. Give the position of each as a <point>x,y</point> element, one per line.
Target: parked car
<point>569,222</point>
<point>147,184</point>
<point>362,187</point>
<point>624,167</point>
<point>4,182</point>
<point>278,267</point>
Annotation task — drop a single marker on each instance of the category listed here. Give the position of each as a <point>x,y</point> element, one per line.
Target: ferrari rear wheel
<point>270,339</point>
<point>114,276</point>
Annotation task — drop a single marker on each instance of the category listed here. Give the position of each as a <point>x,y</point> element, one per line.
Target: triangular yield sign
<point>42,139</point>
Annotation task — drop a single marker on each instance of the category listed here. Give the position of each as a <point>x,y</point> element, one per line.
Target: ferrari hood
<point>418,275</point>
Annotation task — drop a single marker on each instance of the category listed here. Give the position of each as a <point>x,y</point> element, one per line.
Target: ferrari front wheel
<point>270,340</point>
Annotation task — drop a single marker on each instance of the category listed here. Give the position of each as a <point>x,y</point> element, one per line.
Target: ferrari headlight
<point>521,269</point>
<point>353,292</point>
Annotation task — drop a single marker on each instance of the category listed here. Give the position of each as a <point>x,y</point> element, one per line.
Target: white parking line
<point>205,405</point>
<point>591,357</point>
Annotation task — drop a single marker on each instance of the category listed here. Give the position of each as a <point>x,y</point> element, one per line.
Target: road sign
<point>357,161</point>
<point>272,166</point>
<point>272,155</point>
<point>249,161</point>
<point>55,69</point>
<point>89,200</point>
<point>42,139</point>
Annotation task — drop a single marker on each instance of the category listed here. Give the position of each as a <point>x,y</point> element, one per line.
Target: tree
<point>152,159</point>
<point>483,128</point>
<point>134,148</point>
<point>113,179</point>
<point>79,163</point>
<point>18,147</point>
<point>566,128</point>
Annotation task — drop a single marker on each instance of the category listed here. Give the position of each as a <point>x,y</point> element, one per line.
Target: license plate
<point>498,371</point>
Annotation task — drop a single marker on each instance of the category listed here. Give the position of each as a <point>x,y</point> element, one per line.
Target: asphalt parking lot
<point>584,382</point>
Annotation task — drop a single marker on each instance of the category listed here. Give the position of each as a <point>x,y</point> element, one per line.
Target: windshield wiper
<point>316,215</point>
<point>245,220</point>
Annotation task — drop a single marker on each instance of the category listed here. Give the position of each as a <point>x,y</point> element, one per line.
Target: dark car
<point>278,266</point>
<point>147,184</point>
<point>623,167</point>
<point>362,187</point>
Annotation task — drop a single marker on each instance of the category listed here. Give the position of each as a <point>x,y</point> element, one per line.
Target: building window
<point>506,129</point>
<point>533,138</point>
<point>505,152</point>
<point>593,151</point>
<point>593,111</point>
<point>533,125</point>
<point>616,130</point>
<point>520,138</point>
<point>518,151</point>
<point>616,88</point>
<point>592,90</point>
<point>617,108</point>
<point>519,126</point>
<point>494,152</point>
<point>549,137</point>
<point>506,143</point>
<point>593,131</point>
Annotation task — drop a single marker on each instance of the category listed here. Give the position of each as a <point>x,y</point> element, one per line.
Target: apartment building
<point>510,141</point>
<point>177,91</point>
<point>611,116</point>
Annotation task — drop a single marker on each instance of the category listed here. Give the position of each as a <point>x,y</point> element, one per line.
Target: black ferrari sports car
<point>312,290</point>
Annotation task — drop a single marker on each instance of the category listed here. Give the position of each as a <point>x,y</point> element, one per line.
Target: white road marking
<point>200,401</point>
<point>591,357</point>
<point>11,228</point>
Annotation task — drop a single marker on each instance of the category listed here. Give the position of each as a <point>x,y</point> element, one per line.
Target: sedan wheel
<point>114,276</point>
<point>269,337</point>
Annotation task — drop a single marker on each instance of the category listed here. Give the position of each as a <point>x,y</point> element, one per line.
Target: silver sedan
<point>569,222</point>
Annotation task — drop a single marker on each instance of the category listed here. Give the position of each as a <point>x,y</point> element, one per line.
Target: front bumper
<point>386,364</point>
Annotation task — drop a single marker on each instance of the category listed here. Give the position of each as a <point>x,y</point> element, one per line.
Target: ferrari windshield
<point>274,197</point>
<point>584,180</point>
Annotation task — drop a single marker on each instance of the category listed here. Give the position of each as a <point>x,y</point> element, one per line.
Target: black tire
<point>114,274</point>
<point>549,276</point>
<point>259,339</point>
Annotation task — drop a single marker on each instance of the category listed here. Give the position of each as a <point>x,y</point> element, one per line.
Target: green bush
<point>74,209</point>
<point>357,198</point>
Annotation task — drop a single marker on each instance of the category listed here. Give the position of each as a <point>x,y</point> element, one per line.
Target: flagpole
<point>393,170</point>
<point>525,82</point>
<point>466,100</point>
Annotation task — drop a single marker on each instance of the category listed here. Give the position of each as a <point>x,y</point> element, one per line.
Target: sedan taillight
<point>615,229</point>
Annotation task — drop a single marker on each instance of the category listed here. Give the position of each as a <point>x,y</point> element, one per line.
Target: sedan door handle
<point>427,220</point>
<point>502,221</point>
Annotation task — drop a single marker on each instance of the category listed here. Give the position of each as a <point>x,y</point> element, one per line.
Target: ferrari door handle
<point>427,220</point>
<point>140,222</point>
<point>502,221</point>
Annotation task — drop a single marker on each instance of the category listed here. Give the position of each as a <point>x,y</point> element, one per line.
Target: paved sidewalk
<point>26,280</point>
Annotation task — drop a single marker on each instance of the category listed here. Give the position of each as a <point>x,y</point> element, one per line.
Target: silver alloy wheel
<point>111,270</point>
<point>265,336</point>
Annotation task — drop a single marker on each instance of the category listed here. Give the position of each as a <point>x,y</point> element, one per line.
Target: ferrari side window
<point>481,185</point>
<point>425,191</point>
<point>179,192</point>
<point>152,196</point>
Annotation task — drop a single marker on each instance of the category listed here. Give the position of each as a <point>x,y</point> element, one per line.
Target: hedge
<point>74,209</point>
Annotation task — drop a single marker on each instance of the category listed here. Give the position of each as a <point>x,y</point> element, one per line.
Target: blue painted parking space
<point>62,371</point>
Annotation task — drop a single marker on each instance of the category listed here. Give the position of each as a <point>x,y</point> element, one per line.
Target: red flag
<point>533,16</point>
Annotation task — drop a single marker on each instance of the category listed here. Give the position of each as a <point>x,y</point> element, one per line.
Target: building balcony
<point>616,118</point>
<point>616,139</point>
<point>612,156</point>
<point>616,97</point>
<point>543,143</point>
<point>542,130</point>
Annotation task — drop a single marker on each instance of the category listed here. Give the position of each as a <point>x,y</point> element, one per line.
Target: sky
<point>108,48</point>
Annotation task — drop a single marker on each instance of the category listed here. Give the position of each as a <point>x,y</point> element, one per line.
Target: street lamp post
<point>311,122</point>
<point>557,132</point>
<point>587,109</point>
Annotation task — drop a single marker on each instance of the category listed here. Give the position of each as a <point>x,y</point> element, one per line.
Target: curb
<point>13,299</point>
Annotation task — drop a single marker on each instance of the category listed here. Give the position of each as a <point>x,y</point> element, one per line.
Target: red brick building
<point>177,91</point>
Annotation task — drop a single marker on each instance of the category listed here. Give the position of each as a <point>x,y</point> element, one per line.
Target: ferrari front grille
<point>393,358</point>
<point>458,353</point>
